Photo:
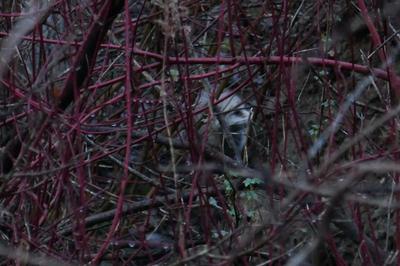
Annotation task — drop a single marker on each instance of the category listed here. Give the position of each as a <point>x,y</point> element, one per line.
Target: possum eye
<point>238,113</point>
<point>237,128</point>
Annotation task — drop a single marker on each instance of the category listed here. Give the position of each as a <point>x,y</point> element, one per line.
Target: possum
<point>230,121</point>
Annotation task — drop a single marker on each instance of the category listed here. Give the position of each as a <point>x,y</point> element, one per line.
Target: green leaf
<point>251,195</point>
<point>228,187</point>
<point>248,182</point>
<point>174,73</point>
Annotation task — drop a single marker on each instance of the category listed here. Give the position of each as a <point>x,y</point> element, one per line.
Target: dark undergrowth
<point>116,148</point>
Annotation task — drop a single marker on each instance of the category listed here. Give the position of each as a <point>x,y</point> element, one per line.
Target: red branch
<point>376,40</point>
<point>253,60</point>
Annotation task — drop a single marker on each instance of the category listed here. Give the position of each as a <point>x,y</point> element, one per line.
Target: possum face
<point>230,119</point>
<point>236,116</point>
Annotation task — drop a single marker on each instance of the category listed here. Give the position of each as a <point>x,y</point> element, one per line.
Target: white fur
<point>235,115</point>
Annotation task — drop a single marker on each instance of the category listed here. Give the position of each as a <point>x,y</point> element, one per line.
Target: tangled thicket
<point>108,155</point>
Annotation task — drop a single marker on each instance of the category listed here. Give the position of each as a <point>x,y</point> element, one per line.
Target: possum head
<point>230,120</point>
